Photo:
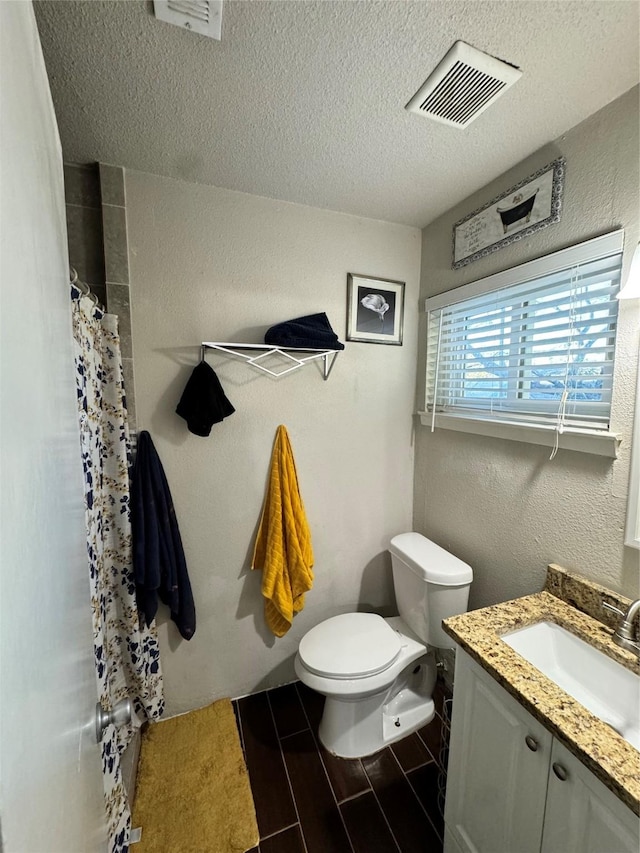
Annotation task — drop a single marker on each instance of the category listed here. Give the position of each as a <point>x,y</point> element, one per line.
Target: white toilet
<point>378,674</point>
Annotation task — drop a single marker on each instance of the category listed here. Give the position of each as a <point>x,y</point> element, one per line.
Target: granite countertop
<point>611,758</point>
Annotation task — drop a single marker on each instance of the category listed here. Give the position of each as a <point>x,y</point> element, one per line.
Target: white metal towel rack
<point>294,357</point>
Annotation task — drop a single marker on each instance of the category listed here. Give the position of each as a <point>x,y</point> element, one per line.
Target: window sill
<point>583,441</point>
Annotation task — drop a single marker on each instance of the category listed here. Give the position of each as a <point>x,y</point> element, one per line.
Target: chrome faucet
<point>623,635</point>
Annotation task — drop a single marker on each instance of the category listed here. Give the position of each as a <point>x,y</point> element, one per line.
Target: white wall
<point>51,794</point>
<point>502,505</point>
<point>211,264</point>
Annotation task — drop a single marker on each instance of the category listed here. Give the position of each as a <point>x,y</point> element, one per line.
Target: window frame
<point>600,441</point>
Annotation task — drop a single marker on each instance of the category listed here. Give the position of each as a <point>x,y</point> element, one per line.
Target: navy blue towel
<point>159,564</point>
<point>203,402</point>
<point>312,332</point>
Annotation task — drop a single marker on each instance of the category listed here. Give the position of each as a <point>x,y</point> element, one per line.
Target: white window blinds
<point>532,345</point>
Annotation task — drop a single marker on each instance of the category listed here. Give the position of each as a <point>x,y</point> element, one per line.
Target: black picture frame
<point>375,310</point>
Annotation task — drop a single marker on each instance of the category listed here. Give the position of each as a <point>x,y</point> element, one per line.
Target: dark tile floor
<point>309,801</point>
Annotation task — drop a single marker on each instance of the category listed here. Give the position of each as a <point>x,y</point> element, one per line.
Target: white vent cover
<point>199,16</point>
<point>464,84</point>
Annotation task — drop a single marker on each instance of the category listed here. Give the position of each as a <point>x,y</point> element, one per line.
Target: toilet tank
<point>430,585</point>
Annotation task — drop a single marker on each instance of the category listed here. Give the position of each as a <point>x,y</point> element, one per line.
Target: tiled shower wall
<point>84,225</point>
<point>98,251</point>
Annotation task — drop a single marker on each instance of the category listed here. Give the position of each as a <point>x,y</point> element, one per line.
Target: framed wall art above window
<point>530,205</point>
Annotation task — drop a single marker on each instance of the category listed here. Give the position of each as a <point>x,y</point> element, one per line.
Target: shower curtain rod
<point>83,287</point>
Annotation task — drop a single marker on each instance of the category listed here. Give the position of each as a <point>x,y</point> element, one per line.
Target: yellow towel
<point>283,546</point>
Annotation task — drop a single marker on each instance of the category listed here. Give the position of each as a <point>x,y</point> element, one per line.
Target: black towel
<point>159,564</point>
<point>203,402</point>
<point>313,332</point>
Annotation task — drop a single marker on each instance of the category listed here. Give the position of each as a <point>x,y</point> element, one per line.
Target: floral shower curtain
<point>127,657</point>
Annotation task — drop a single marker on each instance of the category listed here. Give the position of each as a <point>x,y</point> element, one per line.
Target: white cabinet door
<point>498,766</point>
<point>582,815</point>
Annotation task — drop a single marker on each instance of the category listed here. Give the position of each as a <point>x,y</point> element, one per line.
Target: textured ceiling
<point>304,101</point>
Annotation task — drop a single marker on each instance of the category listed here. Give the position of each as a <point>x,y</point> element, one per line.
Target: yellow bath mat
<point>193,793</point>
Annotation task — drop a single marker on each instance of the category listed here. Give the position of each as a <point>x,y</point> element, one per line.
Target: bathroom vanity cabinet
<point>512,786</point>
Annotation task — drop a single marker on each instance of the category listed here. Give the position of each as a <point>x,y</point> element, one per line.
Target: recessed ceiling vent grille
<point>199,16</point>
<point>463,85</point>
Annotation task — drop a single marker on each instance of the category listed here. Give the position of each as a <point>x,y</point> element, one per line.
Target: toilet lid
<point>353,645</point>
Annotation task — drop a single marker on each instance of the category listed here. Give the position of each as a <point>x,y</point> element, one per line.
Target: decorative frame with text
<point>527,207</point>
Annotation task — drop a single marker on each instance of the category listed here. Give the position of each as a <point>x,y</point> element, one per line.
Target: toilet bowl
<point>376,673</point>
<point>378,694</point>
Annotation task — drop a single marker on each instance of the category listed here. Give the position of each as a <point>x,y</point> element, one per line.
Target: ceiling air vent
<point>464,84</point>
<point>199,16</point>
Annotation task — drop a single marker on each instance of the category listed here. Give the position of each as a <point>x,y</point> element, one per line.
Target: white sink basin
<point>603,686</point>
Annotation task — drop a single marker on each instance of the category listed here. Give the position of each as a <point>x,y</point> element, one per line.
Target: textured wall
<point>210,264</point>
<point>502,505</point>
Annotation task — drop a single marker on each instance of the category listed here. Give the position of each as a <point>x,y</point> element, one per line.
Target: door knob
<point>532,743</point>
<point>119,715</point>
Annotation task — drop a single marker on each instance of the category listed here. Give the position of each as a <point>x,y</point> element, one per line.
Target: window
<point>532,346</point>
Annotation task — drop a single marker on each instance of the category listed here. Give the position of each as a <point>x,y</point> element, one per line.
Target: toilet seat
<point>353,645</point>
